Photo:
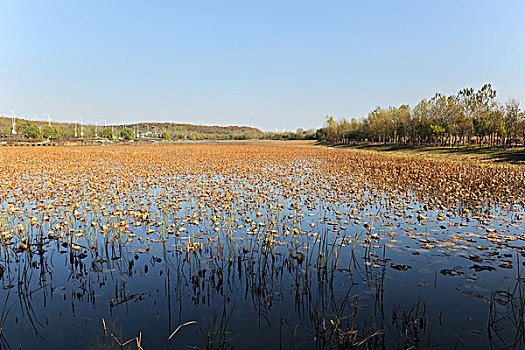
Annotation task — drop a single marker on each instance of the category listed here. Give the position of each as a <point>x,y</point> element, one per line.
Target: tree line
<point>467,118</point>
<point>38,130</point>
<point>28,129</point>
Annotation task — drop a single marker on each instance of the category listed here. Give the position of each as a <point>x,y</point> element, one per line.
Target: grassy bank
<point>495,155</point>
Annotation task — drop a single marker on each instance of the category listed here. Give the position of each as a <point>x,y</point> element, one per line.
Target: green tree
<point>484,106</point>
<point>512,121</point>
<point>126,133</point>
<point>401,118</point>
<point>107,133</point>
<point>50,132</point>
<point>331,129</point>
<point>32,131</point>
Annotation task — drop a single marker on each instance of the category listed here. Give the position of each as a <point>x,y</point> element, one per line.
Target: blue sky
<point>273,64</point>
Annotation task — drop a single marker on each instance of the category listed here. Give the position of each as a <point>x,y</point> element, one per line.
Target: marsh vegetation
<point>220,246</point>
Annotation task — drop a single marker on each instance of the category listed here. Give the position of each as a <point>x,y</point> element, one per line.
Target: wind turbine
<point>13,123</point>
<point>81,129</point>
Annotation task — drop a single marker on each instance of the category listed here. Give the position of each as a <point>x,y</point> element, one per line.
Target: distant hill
<point>31,129</point>
<point>177,128</point>
<point>37,130</point>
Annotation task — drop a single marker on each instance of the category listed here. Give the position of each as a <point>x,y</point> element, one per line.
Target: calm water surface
<point>283,253</point>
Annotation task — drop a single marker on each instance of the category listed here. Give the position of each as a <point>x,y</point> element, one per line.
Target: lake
<point>258,246</point>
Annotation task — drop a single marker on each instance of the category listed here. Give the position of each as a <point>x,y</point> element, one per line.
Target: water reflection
<point>294,248</point>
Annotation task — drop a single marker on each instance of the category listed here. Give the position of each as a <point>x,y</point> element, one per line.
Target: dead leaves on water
<point>193,194</point>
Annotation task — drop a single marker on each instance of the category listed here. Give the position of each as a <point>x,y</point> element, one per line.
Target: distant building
<point>151,134</point>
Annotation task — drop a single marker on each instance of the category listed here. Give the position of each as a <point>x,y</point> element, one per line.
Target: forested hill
<point>37,129</point>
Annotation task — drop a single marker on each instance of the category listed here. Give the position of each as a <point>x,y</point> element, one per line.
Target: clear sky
<point>273,64</point>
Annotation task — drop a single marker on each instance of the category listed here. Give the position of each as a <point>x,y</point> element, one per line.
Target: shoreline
<point>485,155</point>
<point>60,143</point>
